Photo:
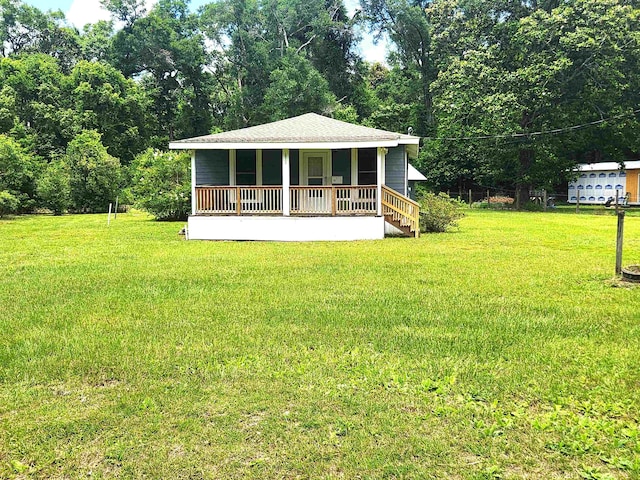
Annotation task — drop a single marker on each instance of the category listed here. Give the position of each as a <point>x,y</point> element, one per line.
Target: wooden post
<point>578,202</point>
<point>109,216</point>
<point>238,201</point>
<point>617,195</point>
<point>193,182</point>
<point>470,198</point>
<point>286,183</point>
<point>619,239</point>
<point>488,198</point>
<point>333,201</point>
<point>544,199</point>
<point>380,158</point>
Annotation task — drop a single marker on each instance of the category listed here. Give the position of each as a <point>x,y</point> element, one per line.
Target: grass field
<point>498,350</point>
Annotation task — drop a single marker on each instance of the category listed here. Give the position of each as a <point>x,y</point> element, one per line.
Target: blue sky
<point>80,12</point>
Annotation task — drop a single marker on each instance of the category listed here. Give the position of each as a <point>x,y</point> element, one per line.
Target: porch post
<point>286,183</point>
<point>379,175</point>
<point>193,182</point>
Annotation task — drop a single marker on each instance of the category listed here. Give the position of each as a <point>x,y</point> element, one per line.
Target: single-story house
<point>596,183</point>
<point>303,178</point>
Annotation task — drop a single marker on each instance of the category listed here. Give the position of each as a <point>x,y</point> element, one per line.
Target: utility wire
<point>537,134</point>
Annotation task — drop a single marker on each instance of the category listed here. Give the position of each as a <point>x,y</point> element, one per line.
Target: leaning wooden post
<point>619,239</point>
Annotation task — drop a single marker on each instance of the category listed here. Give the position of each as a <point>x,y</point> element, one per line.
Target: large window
<point>272,167</point>
<point>367,159</point>
<point>245,167</point>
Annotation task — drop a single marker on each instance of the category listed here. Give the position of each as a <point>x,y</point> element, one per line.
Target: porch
<point>351,203</point>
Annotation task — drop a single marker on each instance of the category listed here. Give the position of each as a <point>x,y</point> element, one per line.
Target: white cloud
<point>374,52</point>
<point>82,12</point>
<point>370,52</point>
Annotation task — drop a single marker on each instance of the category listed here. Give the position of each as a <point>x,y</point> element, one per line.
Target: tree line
<point>505,93</point>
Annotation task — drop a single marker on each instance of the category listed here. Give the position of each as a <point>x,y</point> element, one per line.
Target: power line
<point>541,132</point>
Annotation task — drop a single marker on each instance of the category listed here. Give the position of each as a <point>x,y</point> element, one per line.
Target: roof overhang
<point>412,145</point>
<point>590,167</point>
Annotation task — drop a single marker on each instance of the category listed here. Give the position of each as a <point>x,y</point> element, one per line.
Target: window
<point>367,159</point>
<point>272,167</point>
<point>245,167</point>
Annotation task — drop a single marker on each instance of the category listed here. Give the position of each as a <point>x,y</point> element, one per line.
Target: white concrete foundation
<point>285,229</point>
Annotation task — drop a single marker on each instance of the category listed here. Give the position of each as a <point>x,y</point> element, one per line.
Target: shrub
<point>54,188</point>
<point>498,202</point>
<point>439,212</point>
<point>18,170</point>
<point>8,203</point>
<point>162,184</point>
<point>94,174</point>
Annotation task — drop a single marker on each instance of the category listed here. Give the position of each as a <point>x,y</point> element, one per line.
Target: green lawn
<point>499,350</point>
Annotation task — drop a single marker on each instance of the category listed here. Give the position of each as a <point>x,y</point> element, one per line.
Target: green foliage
<point>54,188</point>
<point>114,106</point>
<point>162,184</point>
<point>94,174</point>
<point>8,203</point>
<point>534,69</point>
<point>295,88</point>
<point>439,212</point>
<point>18,171</point>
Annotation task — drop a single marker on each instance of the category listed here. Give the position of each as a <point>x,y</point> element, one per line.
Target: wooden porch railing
<point>307,200</point>
<point>400,211</point>
<point>252,200</point>
<point>334,200</point>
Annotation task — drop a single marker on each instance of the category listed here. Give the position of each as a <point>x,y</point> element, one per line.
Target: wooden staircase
<point>401,212</point>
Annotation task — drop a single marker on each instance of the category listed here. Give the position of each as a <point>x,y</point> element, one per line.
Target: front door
<point>315,169</point>
<point>316,172</point>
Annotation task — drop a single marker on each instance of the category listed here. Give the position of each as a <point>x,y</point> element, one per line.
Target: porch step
<point>406,229</point>
<point>401,212</point>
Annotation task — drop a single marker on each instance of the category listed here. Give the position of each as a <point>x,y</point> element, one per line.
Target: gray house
<point>304,178</point>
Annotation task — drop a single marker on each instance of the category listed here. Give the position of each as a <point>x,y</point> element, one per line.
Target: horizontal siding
<point>212,167</point>
<point>396,169</point>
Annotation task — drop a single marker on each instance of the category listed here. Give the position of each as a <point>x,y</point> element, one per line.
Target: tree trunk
<point>522,184</point>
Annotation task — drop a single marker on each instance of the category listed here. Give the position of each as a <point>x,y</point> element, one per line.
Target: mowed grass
<point>498,350</point>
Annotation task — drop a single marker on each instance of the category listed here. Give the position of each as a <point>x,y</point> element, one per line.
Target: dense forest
<point>505,93</point>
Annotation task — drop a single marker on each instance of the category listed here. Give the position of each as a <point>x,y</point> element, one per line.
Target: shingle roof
<point>307,128</point>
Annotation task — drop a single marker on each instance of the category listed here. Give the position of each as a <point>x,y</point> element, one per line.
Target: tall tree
<point>406,24</point>
<point>267,36</point>
<point>573,64</point>
<point>111,104</point>
<point>167,50</point>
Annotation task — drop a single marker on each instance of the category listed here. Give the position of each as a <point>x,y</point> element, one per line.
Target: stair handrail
<point>402,209</point>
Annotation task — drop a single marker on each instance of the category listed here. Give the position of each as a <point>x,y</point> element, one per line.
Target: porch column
<point>380,178</point>
<point>193,182</point>
<point>286,183</point>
